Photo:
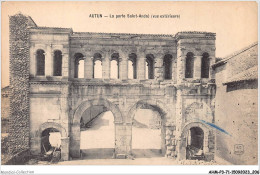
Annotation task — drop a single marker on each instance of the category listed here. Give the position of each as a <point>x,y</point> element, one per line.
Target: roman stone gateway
<point>58,74</point>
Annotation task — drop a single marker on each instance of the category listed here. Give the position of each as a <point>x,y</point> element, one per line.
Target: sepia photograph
<point>129,83</point>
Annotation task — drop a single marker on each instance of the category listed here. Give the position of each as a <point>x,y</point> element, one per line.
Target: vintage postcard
<point>129,83</point>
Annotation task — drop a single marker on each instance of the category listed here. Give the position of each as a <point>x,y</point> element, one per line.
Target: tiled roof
<point>224,60</point>
<point>195,32</point>
<point>249,74</point>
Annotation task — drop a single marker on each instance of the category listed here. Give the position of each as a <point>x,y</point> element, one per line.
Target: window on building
<point>205,63</point>
<point>132,66</point>
<point>114,69</point>
<point>97,65</point>
<point>189,68</point>
<point>79,65</point>
<point>57,63</point>
<point>149,71</point>
<point>167,64</point>
<point>40,59</point>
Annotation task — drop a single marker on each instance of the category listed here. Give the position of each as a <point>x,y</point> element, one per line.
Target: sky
<point>235,23</point>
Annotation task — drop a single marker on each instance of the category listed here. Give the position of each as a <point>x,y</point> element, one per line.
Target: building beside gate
<point>57,74</point>
<point>236,106</point>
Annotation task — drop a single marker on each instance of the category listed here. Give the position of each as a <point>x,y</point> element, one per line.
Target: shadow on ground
<point>97,153</point>
<point>147,153</point>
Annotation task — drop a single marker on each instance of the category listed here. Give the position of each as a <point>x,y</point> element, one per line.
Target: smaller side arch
<point>195,124</point>
<point>183,139</point>
<point>57,126</point>
<point>64,138</point>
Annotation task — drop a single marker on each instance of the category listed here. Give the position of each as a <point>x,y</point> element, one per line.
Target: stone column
<point>141,66</point>
<point>65,148</point>
<point>64,105</point>
<point>158,67</point>
<point>123,67</point>
<point>212,60</point>
<point>206,143</point>
<point>32,61</point>
<point>197,67</point>
<point>71,65</point>
<point>75,141</point>
<point>88,66</point>
<point>106,66</point>
<point>48,61</point>
<point>179,120</point>
<point>123,140</point>
<point>65,65</point>
<point>174,69</point>
<point>180,65</point>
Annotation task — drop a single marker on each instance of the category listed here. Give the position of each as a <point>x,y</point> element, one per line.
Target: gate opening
<point>97,133</point>
<point>147,133</point>
<point>50,141</point>
<point>194,149</point>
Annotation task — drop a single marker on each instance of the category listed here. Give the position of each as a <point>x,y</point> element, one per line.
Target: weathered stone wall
<point>170,142</point>
<point>48,104</point>
<point>236,110</point>
<point>61,101</point>
<point>19,82</point>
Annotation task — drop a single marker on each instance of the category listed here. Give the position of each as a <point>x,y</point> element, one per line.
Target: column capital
<point>141,55</point>
<point>182,48</point>
<point>89,58</point>
<point>124,55</point>
<point>88,54</point>
<point>159,55</point>
<point>181,51</point>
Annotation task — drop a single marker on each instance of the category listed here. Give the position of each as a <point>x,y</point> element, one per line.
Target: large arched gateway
<point>148,128</point>
<point>75,127</point>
